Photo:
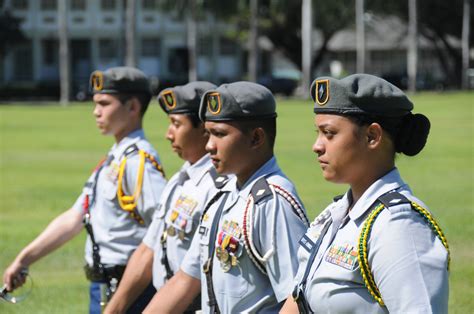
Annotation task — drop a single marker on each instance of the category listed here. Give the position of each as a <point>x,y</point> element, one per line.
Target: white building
<point>97,34</point>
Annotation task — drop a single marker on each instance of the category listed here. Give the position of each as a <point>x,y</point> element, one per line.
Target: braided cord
<point>363,256</point>
<point>364,238</point>
<point>434,226</point>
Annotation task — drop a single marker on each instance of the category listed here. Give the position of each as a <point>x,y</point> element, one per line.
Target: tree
<point>10,32</point>
<point>440,21</point>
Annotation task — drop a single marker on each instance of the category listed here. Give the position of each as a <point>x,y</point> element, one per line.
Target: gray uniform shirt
<point>243,287</point>
<point>408,262</point>
<point>115,231</point>
<point>180,209</point>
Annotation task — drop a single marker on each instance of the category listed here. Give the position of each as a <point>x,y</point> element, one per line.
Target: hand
<point>15,276</point>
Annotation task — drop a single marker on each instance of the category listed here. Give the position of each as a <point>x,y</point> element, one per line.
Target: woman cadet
<point>377,248</point>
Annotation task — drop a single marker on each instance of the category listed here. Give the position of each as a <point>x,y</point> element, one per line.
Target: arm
<point>136,278</point>
<point>176,295</point>
<point>290,306</point>
<point>62,229</point>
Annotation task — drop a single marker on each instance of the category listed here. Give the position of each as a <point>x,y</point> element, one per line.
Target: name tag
<point>203,230</point>
<point>306,243</point>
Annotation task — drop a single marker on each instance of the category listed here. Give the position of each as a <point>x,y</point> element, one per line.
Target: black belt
<point>93,274</point>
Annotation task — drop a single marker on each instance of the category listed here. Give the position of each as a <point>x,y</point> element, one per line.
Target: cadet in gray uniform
<point>243,258</point>
<point>377,249</point>
<point>118,200</point>
<point>181,203</point>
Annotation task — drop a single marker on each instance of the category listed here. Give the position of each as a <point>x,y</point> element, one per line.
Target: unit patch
<point>322,92</point>
<point>214,103</point>
<point>342,255</point>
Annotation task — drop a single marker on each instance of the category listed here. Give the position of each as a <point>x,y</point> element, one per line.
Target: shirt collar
<point>132,138</point>
<point>270,167</point>
<point>197,170</point>
<point>390,181</point>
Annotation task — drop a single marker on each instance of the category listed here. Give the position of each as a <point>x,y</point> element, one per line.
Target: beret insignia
<point>214,103</point>
<point>97,80</point>
<point>322,92</point>
<point>169,99</point>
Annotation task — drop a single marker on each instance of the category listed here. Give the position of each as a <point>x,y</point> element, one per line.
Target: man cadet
<point>248,237</point>
<point>118,200</point>
<point>181,204</point>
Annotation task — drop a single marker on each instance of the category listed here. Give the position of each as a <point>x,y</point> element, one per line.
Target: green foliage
<point>47,152</point>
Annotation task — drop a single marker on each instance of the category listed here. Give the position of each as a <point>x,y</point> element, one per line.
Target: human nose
<point>210,145</point>
<point>169,133</point>
<point>96,111</point>
<point>318,146</point>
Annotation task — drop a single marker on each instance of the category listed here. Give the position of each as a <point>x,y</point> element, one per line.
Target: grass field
<point>47,152</point>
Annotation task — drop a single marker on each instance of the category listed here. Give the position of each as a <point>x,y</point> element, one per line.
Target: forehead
<point>179,117</point>
<point>321,120</point>
<point>97,98</point>
<point>214,125</point>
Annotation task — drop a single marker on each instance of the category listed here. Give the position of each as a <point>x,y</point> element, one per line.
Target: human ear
<point>258,137</point>
<point>374,134</point>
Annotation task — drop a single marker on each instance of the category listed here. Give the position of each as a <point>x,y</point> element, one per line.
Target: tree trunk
<point>253,42</point>
<point>192,41</point>
<point>130,31</point>
<point>360,31</point>
<point>465,43</point>
<point>64,76</point>
<point>412,57</point>
<point>306,42</point>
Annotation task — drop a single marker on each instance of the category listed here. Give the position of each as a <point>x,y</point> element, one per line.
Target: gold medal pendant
<point>233,260</point>
<point>219,253</point>
<point>225,267</point>
<point>224,256</point>
<point>171,231</point>
<point>181,235</point>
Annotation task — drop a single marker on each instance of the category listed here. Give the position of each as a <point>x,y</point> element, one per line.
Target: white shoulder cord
<point>248,225</point>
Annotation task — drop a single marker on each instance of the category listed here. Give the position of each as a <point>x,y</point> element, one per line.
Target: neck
<point>196,157</point>
<point>126,131</point>
<point>244,175</point>
<point>359,188</point>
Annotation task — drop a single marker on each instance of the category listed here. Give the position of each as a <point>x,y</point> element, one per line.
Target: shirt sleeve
<point>154,232</point>
<point>191,264</point>
<point>408,262</point>
<point>79,203</point>
<point>285,235</point>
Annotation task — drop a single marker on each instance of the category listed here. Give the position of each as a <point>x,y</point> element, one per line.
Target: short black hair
<point>143,99</point>
<point>268,126</point>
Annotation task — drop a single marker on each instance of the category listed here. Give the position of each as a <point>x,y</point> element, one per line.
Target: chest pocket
<point>107,185</point>
<point>180,215</point>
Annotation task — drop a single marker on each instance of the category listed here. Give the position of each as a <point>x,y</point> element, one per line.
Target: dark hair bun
<point>412,134</point>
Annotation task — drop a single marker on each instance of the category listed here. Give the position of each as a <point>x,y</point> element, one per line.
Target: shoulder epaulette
<point>337,197</point>
<point>260,190</point>
<point>130,150</point>
<point>393,198</point>
<point>219,179</point>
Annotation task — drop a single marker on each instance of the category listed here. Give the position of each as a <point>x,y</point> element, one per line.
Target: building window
<point>151,47</point>
<point>19,4</point>
<point>108,5</point>
<point>48,5</point>
<point>78,5</point>
<point>107,49</point>
<point>227,47</point>
<point>150,4</point>
<point>23,63</point>
<point>50,51</point>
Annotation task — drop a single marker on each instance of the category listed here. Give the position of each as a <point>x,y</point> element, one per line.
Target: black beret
<point>237,101</point>
<point>184,98</point>
<point>359,94</point>
<point>119,80</point>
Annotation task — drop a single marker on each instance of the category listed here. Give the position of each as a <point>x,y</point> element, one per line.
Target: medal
<point>218,252</point>
<point>171,231</point>
<point>224,256</point>
<point>233,260</point>
<point>225,267</point>
<point>181,235</point>
<point>174,215</point>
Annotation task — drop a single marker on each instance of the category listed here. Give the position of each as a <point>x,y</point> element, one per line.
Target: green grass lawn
<point>48,151</point>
